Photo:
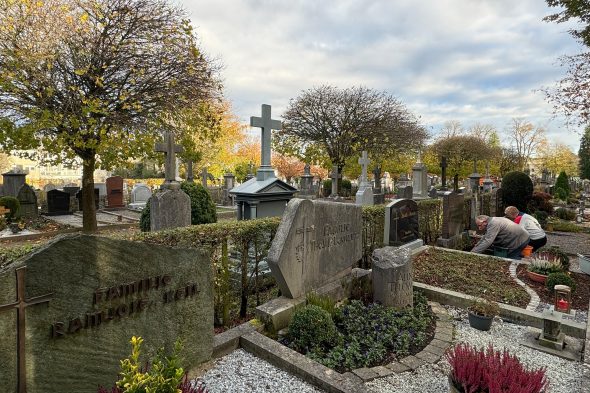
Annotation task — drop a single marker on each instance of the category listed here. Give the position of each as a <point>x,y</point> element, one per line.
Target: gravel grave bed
<point>564,376</point>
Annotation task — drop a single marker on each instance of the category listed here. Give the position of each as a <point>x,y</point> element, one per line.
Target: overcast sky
<point>467,60</point>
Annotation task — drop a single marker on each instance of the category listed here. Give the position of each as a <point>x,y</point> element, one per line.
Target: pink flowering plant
<point>492,371</point>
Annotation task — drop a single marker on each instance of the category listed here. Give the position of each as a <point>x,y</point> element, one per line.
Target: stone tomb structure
<point>115,191</point>
<point>28,201</point>
<point>12,182</point>
<point>401,222</point>
<point>84,297</point>
<point>264,195</point>
<point>453,223</point>
<point>316,243</point>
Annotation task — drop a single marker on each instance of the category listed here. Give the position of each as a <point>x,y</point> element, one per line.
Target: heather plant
<point>545,263</point>
<point>493,371</point>
<point>555,251</point>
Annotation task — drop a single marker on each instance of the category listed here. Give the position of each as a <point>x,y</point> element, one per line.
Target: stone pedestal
<point>392,277</point>
<point>13,181</point>
<point>420,180</point>
<point>364,196</point>
<point>170,208</point>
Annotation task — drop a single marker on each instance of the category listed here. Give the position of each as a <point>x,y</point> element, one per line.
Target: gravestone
<point>190,177</point>
<point>364,195</point>
<point>335,176</point>
<point>96,199</point>
<point>453,224</point>
<point>229,181</point>
<point>317,242</point>
<point>58,203</point>
<point>406,192</point>
<point>48,187</point>
<point>204,175</point>
<point>393,284</point>
<point>85,297</point>
<point>401,222</point>
<point>12,182</point>
<point>140,194</point>
<point>115,191</point>
<point>72,190</point>
<point>306,183</point>
<point>420,179</point>
<point>443,175</point>
<point>496,203</point>
<point>474,179</point>
<point>28,201</point>
<point>433,193</point>
<point>102,189</point>
<point>170,207</point>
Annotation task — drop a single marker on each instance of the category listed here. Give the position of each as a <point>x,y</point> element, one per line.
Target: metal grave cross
<point>169,148</point>
<point>266,124</point>
<point>364,162</point>
<point>20,304</point>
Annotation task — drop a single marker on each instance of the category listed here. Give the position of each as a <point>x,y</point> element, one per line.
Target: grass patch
<point>472,274</point>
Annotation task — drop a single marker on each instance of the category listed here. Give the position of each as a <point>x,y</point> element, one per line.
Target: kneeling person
<point>537,235</point>
<point>501,232</point>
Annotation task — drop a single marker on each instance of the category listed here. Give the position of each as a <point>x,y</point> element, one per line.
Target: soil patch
<point>580,297</point>
<point>472,274</point>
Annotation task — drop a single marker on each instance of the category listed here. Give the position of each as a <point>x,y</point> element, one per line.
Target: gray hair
<point>511,211</point>
<point>482,218</point>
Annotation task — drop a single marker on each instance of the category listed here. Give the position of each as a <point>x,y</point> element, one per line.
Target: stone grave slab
<point>82,298</point>
<point>453,223</point>
<point>170,208</point>
<point>316,243</point>
<point>401,222</point>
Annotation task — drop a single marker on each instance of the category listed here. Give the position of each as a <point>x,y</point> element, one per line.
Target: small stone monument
<point>140,194</point>
<point>13,180</point>
<point>420,179</point>
<point>393,277</point>
<point>474,179</point>
<point>488,183</point>
<point>204,176</point>
<point>306,189</point>
<point>335,176</point>
<point>170,207</point>
<point>364,195</point>
<point>189,171</point>
<point>443,175</point>
<point>452,227</point>
<point>28,201</point>
<point>114,191</point>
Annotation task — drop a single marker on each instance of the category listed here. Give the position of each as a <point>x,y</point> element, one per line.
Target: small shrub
<point>540,202</point>
<point>560,193</point>
<point>565,214</point>
<point>144,219</point>
<point>541,216</point>
<point>202,207</point>
<point>10,203</point>
<point>518,190</point>
<point>484,307</point>
<point>560,278</point>
<point>312,329</point>
<point>474,370</point>
<point>346,187</point>
<point>572,201</point>
<point>566,226</point>
<point>562,184</point>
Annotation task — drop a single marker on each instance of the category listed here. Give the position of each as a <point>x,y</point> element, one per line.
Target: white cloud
<point>467,60</point>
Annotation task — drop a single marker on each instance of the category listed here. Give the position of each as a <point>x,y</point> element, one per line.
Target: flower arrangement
<point>545,263</point>
<point>493,371</point>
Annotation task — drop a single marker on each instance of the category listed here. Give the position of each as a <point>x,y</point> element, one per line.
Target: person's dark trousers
<point>538,243</point>
<point>516,253</point>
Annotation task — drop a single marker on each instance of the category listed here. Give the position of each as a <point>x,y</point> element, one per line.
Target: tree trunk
<point>88,203</point>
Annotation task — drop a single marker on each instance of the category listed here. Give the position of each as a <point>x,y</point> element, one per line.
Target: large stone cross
<point>443,175</point>
<point>20,304</point>
<point>364,162</point>
<point>169,148</point>
<point>266,124</point>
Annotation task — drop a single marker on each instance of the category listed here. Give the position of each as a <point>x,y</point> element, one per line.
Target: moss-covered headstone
<point>68,311</point>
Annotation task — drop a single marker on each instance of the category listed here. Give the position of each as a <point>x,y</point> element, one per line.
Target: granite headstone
<point>28,201</point>
<point>401,222</point>
<point>58,203</point>
<point>115,191</point>
<point>316,243</point>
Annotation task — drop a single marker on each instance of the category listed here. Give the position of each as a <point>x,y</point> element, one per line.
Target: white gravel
<point>241,372</point>
<point>564,376</point>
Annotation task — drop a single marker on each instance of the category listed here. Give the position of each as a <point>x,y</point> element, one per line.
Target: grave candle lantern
<point>563,298</point>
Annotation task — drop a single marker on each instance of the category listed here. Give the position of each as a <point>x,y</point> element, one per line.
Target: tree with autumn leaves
<point>90,80</point>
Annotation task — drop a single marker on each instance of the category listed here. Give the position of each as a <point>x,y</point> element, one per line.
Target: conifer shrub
<point>562,186</point>
<point>312,329</point>
<point>564,213</point>
<point>517,190</point>
<point>560,278</point>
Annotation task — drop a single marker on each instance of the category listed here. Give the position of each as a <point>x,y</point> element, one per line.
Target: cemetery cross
<point>266,124</point>
<point>20,305</point>
<point>334,175</point>
<point>169,148</point>
<point>189,171</point>
<point>364,162</point>
<point>443,175</point>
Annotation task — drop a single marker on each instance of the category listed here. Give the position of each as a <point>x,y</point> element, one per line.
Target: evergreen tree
<point>562,186</point>
<point>584,155</point>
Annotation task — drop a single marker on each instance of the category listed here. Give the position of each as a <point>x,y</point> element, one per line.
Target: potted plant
<point>481,313</point>
<point>479,370</point>
<point>542,264</point>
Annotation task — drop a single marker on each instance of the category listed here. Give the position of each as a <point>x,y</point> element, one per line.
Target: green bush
<point>566,226</point>
<point>517,190</point>
<point>344,184</point>
<point>346,187</point>
<point>560,278</point>
<point>3,223</point>
<point>144,219</point>
<point>322,301</point>
<point>541,216</point>
<point>312,329</point>
<point>203,209</point>
<point>565,214</point>
<point>202,206</point>
<point>562,182</point>
<point>10,203</point>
